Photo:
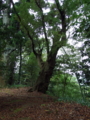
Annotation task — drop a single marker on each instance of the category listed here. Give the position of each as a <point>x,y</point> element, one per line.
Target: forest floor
<point>18,104</point>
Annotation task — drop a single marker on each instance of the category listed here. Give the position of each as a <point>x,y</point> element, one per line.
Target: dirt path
<point>18,104</point>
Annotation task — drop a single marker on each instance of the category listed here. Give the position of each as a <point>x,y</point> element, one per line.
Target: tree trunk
<point>45,75</point>
<point>19,77</point>
<point>5,13</point>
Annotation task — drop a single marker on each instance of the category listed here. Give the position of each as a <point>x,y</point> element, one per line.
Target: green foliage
<point>31,69</point>
<point>68,91</point>
<point>64,85</point>
<point>16,86</point>
<point>18,110</point>
<point>10,68</point>
<point>76,100</point>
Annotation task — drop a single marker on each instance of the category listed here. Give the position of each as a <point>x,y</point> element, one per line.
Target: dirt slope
<point>18,104</point>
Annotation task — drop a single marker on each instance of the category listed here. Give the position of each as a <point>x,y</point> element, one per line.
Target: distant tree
<point>12,41</point>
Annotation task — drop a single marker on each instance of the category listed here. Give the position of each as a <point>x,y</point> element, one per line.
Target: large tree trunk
<point>45,74</point>
<point>43,80</point>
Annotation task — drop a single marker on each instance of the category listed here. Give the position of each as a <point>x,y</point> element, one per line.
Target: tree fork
<point>45,74</point>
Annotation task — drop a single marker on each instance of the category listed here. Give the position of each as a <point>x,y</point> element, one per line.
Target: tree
<point>47,31</point>
<point>81,34</point>
<point>12,41</point>
<point>73,61</point>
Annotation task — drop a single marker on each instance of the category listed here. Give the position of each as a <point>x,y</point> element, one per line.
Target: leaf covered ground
<point>18,104</point>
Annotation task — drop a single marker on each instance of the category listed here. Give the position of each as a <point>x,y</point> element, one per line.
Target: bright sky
<point>15,0</point>
<point>51,1</point>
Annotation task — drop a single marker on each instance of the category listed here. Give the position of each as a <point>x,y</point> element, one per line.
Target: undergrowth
<point>74,99</point>
<point>17,86</point>
<point>71,100</point>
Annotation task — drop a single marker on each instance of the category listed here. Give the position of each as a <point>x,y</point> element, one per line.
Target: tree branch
<point>62,15</point>
<point>43,23</point>
<point>63,21</point>
<point>19,18</point>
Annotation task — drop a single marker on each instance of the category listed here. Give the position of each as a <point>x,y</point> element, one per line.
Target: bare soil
<point>18,104</point>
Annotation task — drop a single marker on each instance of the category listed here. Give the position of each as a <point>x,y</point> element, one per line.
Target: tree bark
<point>45,74</point>
<point>43,80</point>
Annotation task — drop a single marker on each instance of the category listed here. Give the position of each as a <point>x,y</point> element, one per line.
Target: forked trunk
<point>45,75</point>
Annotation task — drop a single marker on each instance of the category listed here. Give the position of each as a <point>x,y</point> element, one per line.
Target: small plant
<point>17,86</point>
<point>17,110</point>
<point>43,105</point>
